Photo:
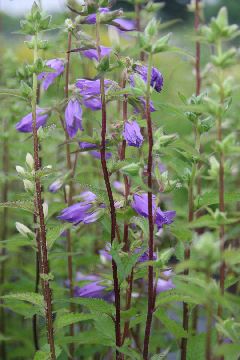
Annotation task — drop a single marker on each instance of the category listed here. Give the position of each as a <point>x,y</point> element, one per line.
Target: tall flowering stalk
<point>194,177</point>
<point>110,197</point>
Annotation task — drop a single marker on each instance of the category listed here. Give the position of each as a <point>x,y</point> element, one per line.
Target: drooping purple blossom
<point>84,145</point>
<point>92,18</point>
<point>25,124</point>
<point>81,212</point>
<point>90,91</point>
<point>156,77</point>
<point>97,154</point>
<point>124,24</point>
<point>55,186</point>
<point>132,134</point>
<point>143,256</point>
<point>73,117</point>
<point>140,205</point>
<point>165,285</point>
<point>93,53</point>
<point>93,290</point>
<point>120,187</point>
<point>49,77</point>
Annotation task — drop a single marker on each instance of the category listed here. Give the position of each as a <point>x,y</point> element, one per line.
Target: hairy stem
<point>5,167</point>
<point>150,216</point>
<point>68,200</point>
<point>111,200</point>
<point>43,243</point>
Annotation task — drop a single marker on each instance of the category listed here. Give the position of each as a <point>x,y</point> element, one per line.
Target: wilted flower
<point>55,186</point>
<point>25,124</point>
<point>165,285</point>
<point>49,77</point>
<point>82,212</point>
<point>73,117</point>
<point>132,134</point>
<point>140,205</point>
<point>156,77</point>
<point>93,53</point>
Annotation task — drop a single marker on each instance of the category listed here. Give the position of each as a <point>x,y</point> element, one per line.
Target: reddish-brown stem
<point>150,221</point>
<point>222,209</point>
<point>68,200</point>
<point>209,311</point>
<point>5,167</point>
<point>118,341</point>
<point>138,25</point>
<point>42,229</point>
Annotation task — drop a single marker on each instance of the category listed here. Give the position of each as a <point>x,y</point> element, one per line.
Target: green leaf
<point>172,326</point>
<point>32,298</point>
<point>105,326</point>
<point>160,356</point>
<point>54,233</point>
<point>95,305</point>
<point>71,318</point>
<point>181,232</point>
<point>212,197</point>
<point>196,347</point>
<point>229,351</point>
<point>24,205</point>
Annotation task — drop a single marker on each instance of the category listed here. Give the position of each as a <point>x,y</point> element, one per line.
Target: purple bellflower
<point>92,18</point>
<point>140,205</point>
<point>124,24</point>
<point>49,77</point>
<point>156,77</point>
<point>55,186</point>
<point>93,54</point>
<point>165,285</point>
<point>81,212</point>
<point>132,134</point>
<point>73,117</point>
<point>93,290</point>
<point>90,91</point>
<point>86,145</point>
<point>105,256</point>
<point>97,154</point>
<point>25,124</point>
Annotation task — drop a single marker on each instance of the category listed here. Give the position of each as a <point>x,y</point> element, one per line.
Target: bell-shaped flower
<point>55,186</point>
<point>82,212</point>
<point>132,134</point>
<point>49,77</point>
<point>140,205</point>
<point>93,290</point>
<point>93,53</point>
<point>165,284</point>
<point>73,117</point>
<point>92,18</point>
<point>156,81</point>
<point>25,124</point>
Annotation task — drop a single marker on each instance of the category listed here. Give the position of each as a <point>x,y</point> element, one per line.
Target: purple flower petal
<point>73,117</point>
<point>93,54</point>
<point>132,134</point>
<point>49,77</point>
<point>25,124</point>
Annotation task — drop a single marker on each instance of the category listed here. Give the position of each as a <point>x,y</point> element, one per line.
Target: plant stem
<point>5,166</point>
<point>198,90</point>
<point>126,194</point>
<point>150,216</point>
<point>138,25</point>
<point>209,309</point>
<point>68,200</point>
<point>42,238</point>
<point>111,200</point>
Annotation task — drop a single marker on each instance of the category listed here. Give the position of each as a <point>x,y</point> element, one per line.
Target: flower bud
<point>69,24</point>
<point>22,229</point>
<point>20,170</point>
<point>28,185</point>
<point>30,161</point>
<point>45,209</point>
<point>131,169</point>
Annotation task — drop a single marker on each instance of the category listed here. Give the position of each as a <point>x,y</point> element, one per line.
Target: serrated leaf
<point>32,298</point>
<point>212,197</point>
<point>24,205</point>
<point>54,233</point>
<point>95,305</point>
<point>172,326</point>
<point>71,318</point>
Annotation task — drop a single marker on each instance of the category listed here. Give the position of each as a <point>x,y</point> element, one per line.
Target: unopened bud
<point>45,209</point>
<point>28,185</point>
<point>23,229</point>
<point>30,161</point>
<point>20,170</point>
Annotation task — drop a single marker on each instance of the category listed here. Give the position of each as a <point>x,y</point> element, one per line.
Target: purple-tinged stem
<point>39,209</point>
<point>150,217</point>
<point>118,341</point>
<point>5,167</point>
